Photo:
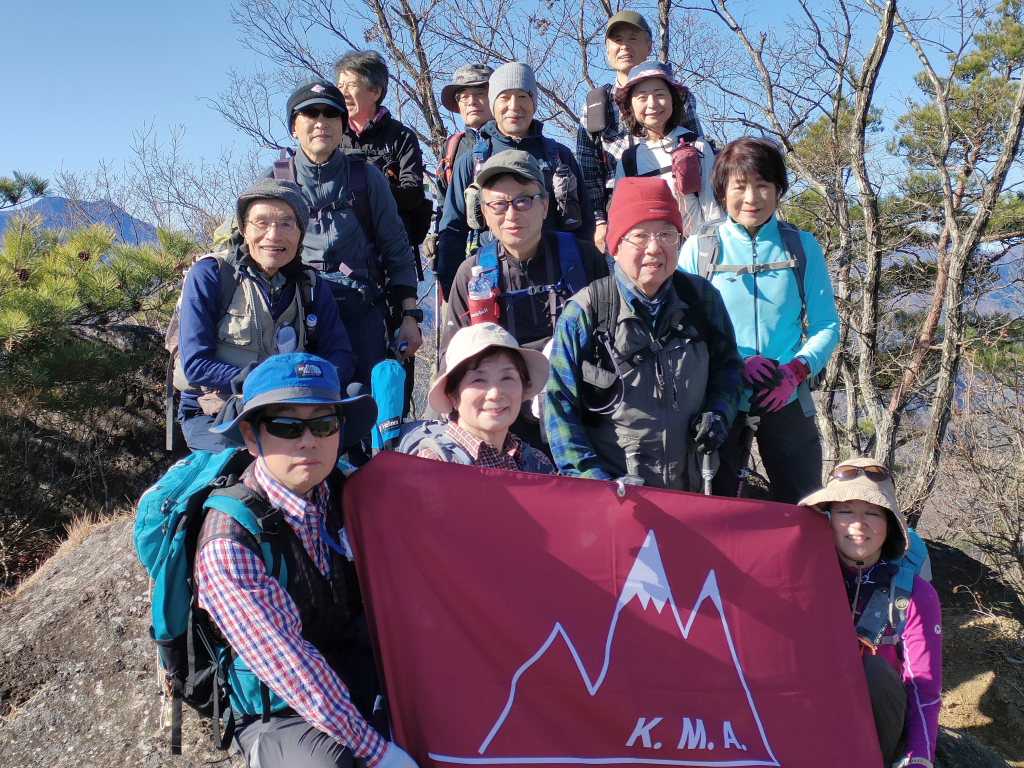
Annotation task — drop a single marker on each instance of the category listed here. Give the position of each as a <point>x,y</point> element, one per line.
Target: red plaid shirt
<point>261,621</point>
<point>484,454</point>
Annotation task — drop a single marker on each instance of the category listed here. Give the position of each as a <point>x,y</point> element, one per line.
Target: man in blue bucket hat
<point>303,678</point>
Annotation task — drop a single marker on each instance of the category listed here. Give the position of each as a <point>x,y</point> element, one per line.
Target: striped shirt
<point>262,623</point>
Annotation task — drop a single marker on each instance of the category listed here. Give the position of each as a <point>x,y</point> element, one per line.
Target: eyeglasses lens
<point>292,429</point>
<point>500,207</point>
<point>877,474</point>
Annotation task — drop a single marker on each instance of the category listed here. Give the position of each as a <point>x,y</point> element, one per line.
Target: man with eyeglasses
<point>304,683</point>
<point>355,236</point>
<point>466,95</point>
<point>535,272</point>
<point>240,306</point>
<point>513,95</point>
<point>645,375</point>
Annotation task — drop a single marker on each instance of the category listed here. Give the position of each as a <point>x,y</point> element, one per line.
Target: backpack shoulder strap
<point>570,261</point>
<point>690,288</point>
<point>708,248</point>
<point>258,519</point>
<point>359,198</point>
<point>531,459</point>
<point>795,251</point>
<point>487,259</point>
<point>604,304</point>
<point>628,160</point>
<point>481,151</point>
<point>551,153</point>
<point>284,166</point>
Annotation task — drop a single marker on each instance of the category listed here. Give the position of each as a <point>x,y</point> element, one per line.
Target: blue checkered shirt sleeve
<point>572,451</point>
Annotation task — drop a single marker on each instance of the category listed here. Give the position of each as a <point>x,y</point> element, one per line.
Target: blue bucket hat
<point>302,379</point>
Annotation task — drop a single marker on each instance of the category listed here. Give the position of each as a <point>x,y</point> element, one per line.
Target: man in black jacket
<point>362,77</point>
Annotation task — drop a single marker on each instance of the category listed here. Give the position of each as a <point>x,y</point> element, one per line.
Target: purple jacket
<point>918,658</point>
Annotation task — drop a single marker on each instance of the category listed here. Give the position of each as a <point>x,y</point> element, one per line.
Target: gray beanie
<point>275,189</point>
<point>514,76</point>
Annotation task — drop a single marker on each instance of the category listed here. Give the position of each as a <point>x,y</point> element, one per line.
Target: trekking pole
<point>746,448</point>
<point>708,473</point>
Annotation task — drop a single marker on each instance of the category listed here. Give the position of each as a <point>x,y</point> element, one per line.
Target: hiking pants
<point>790,451</point>
<point>195,426</point>
<point>286,742</point>
<point>368,336</point>
<point>888,705</point>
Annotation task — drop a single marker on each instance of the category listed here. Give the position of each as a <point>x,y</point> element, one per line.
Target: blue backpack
<point>193,656</point>
<point>573,278</point>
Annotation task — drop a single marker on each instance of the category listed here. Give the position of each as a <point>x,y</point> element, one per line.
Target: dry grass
<point>77,531</point>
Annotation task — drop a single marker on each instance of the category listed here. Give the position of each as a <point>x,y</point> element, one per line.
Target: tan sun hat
<point>473,339</point>
<point>863,487</point>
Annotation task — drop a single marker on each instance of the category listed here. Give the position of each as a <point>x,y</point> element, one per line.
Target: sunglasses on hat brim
<point>847,472</point>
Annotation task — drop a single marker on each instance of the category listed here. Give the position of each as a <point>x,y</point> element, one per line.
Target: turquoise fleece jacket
<point>765,308</point>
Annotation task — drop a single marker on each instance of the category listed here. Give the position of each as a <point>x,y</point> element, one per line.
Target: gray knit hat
<point>275,189</point>
<point>514,76</point>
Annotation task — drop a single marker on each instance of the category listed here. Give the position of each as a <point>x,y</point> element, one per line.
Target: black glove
<point>709,430</point>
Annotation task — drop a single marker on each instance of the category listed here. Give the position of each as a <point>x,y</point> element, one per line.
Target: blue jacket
<point>454,231</point>
<point>765,308</point>
<point>199,315</point>
<point>337,235</point>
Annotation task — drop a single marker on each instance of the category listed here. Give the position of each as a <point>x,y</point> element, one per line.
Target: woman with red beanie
<point>645,374</point>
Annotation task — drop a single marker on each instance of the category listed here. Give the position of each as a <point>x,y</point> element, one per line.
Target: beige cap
<point>863,488</point>
<point>473,339</point>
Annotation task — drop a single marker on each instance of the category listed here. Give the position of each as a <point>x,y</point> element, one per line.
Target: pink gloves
<point>774,398</point>
<point>761,373</point>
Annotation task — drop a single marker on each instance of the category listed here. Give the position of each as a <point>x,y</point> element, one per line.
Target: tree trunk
<point>664,7</point>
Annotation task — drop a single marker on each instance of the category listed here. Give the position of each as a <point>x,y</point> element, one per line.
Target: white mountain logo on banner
<point>647,583</point>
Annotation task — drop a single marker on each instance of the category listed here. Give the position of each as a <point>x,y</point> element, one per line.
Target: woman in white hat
<point>900,630</point>
<point>487,378</point>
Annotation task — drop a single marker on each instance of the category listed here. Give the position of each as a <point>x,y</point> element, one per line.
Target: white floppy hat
<point>880,492</point>
<point>473,339</point>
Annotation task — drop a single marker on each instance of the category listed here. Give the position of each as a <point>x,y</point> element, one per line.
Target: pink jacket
<point>918,658</point>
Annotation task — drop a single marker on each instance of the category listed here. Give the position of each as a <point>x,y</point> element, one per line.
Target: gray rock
<point>956,750</point>
<point>78,673</point>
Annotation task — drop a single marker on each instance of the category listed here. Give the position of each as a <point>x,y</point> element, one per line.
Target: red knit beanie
<point>637,199</point>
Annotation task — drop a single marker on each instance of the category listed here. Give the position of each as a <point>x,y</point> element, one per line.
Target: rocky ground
<point>78,682</point>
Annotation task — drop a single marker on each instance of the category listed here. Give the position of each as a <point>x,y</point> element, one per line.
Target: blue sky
<point>81,77</point>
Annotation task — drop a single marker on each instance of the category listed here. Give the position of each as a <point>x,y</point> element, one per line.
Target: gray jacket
<point>336,236</point>
<point>648,434</point>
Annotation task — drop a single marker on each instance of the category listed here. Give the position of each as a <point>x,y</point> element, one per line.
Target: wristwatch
<point>415,314</point>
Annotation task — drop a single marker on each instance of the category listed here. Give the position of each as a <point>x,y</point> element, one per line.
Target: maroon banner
<point>525,619</point>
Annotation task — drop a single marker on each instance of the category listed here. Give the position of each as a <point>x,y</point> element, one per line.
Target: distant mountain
<point>60,212</point>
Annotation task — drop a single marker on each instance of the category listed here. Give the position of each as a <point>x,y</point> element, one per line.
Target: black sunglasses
<point>878,474</point>
<point>288,428</point>
<point>313,113</point>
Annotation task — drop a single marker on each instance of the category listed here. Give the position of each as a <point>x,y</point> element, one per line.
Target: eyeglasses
<point>465,97</point>
<point>313,113</point>
<point>878,474</point>
<point>283,225</point>
<point>642,239</point>
<point>288,428</point>
<point>499,207</point>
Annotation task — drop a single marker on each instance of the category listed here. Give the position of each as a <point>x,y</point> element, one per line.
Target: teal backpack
<point>194,659</point>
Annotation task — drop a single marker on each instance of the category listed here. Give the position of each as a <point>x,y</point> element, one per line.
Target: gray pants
<point>888,705</point>
<point>290,742</point>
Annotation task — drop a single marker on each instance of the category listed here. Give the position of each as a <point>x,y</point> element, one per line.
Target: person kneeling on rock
<point>303,678</point>
<point>895,611</point>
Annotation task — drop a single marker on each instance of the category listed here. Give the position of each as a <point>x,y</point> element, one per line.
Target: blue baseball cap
<point>302,379</point>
